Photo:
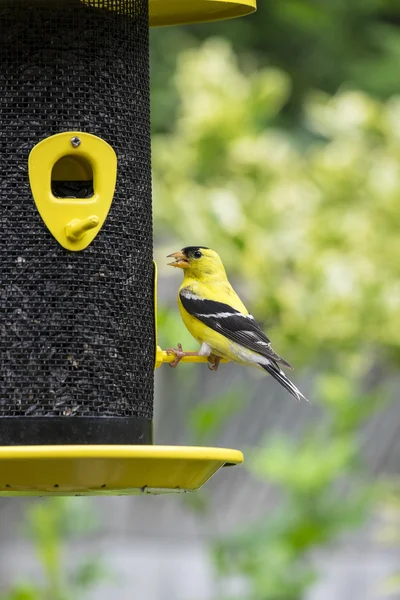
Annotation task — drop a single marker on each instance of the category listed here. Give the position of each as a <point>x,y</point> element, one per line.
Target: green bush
<point>308,234</point>
<point>50,524</point>
<point>308,230</point>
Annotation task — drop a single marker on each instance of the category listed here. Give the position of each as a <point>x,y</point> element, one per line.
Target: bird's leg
<point>213,362</point>
<point>179,354</point>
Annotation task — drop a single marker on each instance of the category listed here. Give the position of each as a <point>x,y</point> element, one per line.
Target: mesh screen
<point>77,335</point>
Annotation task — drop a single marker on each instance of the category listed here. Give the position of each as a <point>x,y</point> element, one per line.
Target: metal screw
<point>75,142</point>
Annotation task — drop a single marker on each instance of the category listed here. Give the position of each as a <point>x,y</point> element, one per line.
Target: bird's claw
<point>178,353</point>
<point>213,362</point>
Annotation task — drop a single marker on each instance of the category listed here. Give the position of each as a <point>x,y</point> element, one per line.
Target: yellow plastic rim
<point>108,470</point>
<point>179,12</point>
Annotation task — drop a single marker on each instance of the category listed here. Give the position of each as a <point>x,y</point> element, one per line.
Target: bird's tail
<point>273,369</point>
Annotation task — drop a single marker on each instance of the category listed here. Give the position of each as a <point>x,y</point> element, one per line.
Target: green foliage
<point>320,44</point>
<point>389,531</point>
<point>323,492</point>
<point>301,228</point>
<point>347,408</point>
<point>308,230</point>
<point>316,466</point>
<point>49,525</point>
<point>209,417</point>
<point>23,592</point>
<point>170,330</point>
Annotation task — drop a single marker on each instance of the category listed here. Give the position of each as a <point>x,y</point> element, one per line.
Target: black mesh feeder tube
<point>78,343</point>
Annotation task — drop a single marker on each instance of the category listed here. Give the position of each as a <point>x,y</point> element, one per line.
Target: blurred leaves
<point>307,227</point>
<point>316,466</point>
<point>274,555</point>
<point>348,409</point>
<point>50,524</point>
<point>23,592</point>
<point>207,418</point>
<point>170,330</point>
<point>322,493</point>
<point>388,533</point>
<point>301,227</point>
<point>320,44</point>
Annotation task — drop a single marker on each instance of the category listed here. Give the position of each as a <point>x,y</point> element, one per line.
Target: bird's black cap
<point>190,249</point>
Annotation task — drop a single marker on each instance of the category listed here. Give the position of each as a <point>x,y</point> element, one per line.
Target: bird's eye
<point>197,254</point>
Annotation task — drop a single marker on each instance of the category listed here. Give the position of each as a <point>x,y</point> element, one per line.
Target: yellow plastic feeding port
<point>179,12</point>
<point>72,177</point>
<point>108,470</point>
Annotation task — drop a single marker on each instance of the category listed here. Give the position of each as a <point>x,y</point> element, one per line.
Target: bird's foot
<point>179,354</point>
<point>213,362</point>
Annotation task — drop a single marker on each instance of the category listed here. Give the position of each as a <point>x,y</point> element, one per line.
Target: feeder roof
<point>180,12</point>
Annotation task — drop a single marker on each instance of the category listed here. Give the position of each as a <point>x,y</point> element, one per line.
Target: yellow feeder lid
<point>184,12</point>
<point>108,470</point>
<point>180,12</point>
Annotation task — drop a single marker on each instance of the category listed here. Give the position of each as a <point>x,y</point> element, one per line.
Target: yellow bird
<point>217,318</point>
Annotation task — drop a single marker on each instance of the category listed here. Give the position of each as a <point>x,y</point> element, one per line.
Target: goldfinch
<point>217,318</point>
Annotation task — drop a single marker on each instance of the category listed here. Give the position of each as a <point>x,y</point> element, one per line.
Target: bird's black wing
<point>221,317</point>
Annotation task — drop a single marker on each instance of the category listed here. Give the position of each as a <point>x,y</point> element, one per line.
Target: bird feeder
<point>78,326</point>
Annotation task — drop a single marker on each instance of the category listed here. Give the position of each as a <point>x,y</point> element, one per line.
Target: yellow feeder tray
<point>108,470</point>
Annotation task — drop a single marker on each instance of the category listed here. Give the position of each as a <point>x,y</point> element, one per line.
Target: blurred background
<point>276,141</point>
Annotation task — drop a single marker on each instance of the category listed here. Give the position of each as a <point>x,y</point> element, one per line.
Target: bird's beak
<point>180,260</point>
